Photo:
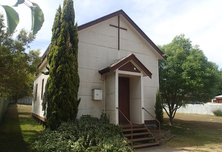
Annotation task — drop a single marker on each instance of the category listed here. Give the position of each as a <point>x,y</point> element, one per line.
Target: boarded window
<point>42,89</point>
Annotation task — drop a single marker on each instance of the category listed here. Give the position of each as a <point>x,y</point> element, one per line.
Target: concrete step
<point>141,139</point>
<point>145,145</point>
<point>134,129</point>
<point>137,134</point>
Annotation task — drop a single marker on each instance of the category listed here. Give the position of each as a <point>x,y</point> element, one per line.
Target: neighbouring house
<point>217,99</point>
<point>118,70</point>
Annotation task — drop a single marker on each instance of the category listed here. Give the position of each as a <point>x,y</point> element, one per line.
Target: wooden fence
<point>4,104</point>
<point>26,100</point>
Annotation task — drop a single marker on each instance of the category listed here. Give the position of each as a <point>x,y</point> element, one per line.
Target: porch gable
<point>129,63</point>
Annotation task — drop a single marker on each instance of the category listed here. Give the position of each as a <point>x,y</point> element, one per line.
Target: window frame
<point>42,91</point>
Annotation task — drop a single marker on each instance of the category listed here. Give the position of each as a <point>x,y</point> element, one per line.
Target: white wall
<point>135,100</point>
<point>136,44</point>
<point>110,106</point>
<point>133,42</point>
<point>37,103</point>
<point>97,50</point>
<point>207,108</point>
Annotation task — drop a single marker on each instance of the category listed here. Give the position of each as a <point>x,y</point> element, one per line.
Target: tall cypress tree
<point>63,82</point>
<point>52,49</point>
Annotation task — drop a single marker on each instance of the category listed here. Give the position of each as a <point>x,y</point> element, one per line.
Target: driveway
<point>162,148</point>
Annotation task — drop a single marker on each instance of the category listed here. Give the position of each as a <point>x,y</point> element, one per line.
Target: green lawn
<point>18,129</point>
<point>193,132</point>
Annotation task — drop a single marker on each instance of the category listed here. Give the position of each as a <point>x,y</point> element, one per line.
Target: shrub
<point>218,113</point>
<point>86,134</point>
<point>159,109</point>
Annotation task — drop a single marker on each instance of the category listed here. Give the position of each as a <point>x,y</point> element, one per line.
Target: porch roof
<point>131,58</point>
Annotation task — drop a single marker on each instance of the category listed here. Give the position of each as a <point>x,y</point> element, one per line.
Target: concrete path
<point>162,148</point>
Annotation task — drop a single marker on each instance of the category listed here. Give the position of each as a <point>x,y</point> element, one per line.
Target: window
<point>42,89</point>
<point>36,91</point>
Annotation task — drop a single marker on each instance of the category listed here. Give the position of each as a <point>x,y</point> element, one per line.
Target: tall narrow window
<point>42,89</point>
<point>36,91</point>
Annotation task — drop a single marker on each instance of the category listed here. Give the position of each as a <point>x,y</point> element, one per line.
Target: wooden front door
<point>124,105</point>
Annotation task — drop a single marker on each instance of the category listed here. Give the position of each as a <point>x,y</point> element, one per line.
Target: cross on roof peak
<point>118,27</point>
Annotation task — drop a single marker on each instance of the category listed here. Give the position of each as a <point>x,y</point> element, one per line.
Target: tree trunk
<point>171,120</point>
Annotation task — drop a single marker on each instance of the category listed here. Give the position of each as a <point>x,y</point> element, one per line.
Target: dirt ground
<point>196,133</point>
<point>193,133</point>
<point>162,148</point>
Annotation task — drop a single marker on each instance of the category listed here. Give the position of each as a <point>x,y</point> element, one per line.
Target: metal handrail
<point>131,125</point>
<point>155,119</point>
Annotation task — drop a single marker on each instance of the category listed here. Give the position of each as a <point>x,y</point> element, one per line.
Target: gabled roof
<point>131,58</point>
<point>121,12</point>
<point>218,97</point>
<point>104,18</point>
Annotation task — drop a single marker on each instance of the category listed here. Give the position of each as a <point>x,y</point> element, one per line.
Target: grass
<point>193,132</point>
<point>18,129</point>
<point>201,133</point>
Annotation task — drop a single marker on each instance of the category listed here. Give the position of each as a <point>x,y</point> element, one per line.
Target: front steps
<point>140,136</point>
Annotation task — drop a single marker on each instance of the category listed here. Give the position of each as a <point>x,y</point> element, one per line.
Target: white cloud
<point>199,21</point>
<point>161,20</point>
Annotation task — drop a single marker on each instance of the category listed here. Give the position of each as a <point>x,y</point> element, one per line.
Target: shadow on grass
<point>194,133</point>
<point>11,138</point>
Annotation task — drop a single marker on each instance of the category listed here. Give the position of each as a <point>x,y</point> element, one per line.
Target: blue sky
<point>162,20</point>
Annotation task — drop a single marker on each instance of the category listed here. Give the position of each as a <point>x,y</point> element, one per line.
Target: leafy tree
<point>16,66</point>
<point>13,17</point>
<point>6,61</point>
<point>33,60</point>
<point>185,76</point>
<point>219,91</point>
<point>200,75</point>
<point>159,109</point>
<point>63,82</point>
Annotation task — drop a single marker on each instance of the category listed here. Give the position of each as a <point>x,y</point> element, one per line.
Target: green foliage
<point>186,75</point>
<point>86,134</point>
<point>19,2</point>
<point>17,68</point>
<point>218,113</point>
<point>159,109</point>
<point>37,18</point>
<point>219,84</point>
<point>63,82</point>
<point>33,60</point>
<point>13,17</point>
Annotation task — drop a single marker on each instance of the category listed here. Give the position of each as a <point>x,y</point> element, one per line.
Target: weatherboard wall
<point>98,48</point>
<point>37,98</point>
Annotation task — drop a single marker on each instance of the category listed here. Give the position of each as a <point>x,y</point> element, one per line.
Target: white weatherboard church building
<point>118,70</point>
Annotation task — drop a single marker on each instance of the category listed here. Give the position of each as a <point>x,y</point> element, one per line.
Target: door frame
<point>130,74</point>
